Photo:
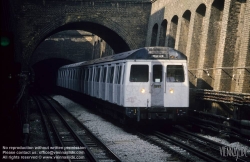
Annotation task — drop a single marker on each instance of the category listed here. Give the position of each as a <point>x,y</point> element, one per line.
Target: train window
<point>175,73</point>
<point>90,73</point>
<point>123,66</point>
<point>118,75</point>
<point>111,74</point>
<point>77,72</point>
<point>139,73</point>
<point>97,75</point>
<point>82,74</point>
<point>86,74</point>
<point>104,74</point>
<point>157,73</point>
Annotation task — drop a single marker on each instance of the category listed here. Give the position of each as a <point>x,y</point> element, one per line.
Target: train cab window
<point>157,73</point>
<point>139,73</point>
<point>175,73</point>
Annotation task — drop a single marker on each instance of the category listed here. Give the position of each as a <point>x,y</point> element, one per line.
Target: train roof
<point>161,53</point>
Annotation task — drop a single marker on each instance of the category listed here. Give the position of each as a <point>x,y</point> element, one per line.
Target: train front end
<point>157,87</point>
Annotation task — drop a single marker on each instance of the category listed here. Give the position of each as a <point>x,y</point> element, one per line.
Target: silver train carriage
<point>146,83</point>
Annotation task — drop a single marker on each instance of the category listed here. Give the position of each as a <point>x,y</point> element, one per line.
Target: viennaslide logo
<point>227,151</point>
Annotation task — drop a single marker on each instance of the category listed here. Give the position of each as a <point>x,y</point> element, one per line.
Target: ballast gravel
<point>129,147</point>
<point>237,145</point>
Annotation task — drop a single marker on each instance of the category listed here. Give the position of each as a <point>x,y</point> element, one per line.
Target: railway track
<point>74,140</point>
<point>189,147</point>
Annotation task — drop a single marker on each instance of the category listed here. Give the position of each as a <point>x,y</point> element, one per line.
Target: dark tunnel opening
<point>45,74</point>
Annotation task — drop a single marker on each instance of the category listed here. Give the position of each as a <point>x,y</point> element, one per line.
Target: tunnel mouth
<point>45,74</point>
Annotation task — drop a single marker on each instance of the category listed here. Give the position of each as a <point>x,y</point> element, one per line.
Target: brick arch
<point>185,22</point>
<point>154,35</point>
<point>196,40</point>
<point>97,24</point>
<point>163,30</point>
<point>201,9</point>
<point>173,31</point>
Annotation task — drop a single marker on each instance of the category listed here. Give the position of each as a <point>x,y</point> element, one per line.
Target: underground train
<point>149,83</point>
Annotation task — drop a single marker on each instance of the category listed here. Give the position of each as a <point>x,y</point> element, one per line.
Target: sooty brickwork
<point>214,34</point>
<point>121,23</point>
<point>72,45</point>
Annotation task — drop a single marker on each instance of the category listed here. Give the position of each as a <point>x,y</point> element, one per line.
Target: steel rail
<point>109,151</point>
<point>88,152</point>
<point>196,152</point>
<point>165,147</point>
<point>46,117</point>
<point>205,141</point>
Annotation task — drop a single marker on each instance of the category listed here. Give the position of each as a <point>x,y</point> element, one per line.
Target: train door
<point>176,86</point>
<point>157,85</point>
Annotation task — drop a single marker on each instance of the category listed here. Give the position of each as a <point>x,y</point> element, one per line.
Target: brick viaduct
<point>214,34</point>
<point>113,21</point>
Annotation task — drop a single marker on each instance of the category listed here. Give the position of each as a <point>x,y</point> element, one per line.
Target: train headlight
<point>171,91</point>
<point>143,90</point>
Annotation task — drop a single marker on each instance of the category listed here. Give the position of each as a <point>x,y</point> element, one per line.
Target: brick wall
<point>72,45</point>
<point>122,24</point>
<point>217,42</point>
